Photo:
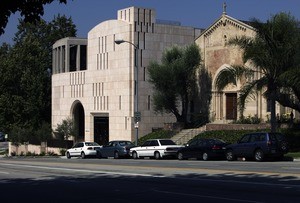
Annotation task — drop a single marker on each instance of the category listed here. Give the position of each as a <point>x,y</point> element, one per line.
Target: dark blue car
<point>258,146</point>
<point>2,137</point>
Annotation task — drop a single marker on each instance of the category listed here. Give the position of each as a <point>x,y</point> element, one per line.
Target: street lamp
<point>137,114</point>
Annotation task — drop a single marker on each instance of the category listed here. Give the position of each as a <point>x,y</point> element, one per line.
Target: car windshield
<point>125,143</point>
<point>91,144</point>
<point>167,142</point>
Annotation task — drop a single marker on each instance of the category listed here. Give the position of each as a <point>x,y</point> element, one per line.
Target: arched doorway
<point>78,118</point>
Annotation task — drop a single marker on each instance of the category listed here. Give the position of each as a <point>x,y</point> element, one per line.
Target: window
<point>83,56</point>
<point>193,143</point>
<point>154,143</point>
<point>245,139</point>
<point>167,142</point>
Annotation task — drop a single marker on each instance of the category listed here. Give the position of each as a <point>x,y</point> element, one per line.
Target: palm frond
<point>247,92</point>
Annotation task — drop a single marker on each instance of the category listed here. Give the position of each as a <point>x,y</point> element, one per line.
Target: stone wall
<point>25,149</point>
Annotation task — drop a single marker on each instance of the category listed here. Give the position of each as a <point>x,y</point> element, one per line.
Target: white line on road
<point>84,170</point>
<point>4,172</point>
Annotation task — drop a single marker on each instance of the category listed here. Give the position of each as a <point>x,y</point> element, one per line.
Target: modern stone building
<point>106,88</point>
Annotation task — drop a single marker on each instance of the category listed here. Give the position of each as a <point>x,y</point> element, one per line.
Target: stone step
<point>186,135</point>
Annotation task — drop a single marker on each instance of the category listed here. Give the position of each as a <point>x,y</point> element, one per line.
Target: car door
<point>142,151</point>
<point>240,147</point>
<point>76,149</point>
<point>106,149</point>
<point>251,145</point>
<point>191,149</point>
<point>153,146</point>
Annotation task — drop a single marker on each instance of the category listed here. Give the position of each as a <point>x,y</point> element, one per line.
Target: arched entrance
<point>224,102</point>
<point>78,118</point>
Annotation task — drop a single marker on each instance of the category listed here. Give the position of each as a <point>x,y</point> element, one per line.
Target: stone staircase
<point>187,134</point>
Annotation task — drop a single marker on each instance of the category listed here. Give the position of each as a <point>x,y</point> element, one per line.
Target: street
<point>126,180</point>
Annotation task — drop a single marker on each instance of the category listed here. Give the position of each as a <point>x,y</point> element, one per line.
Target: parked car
<point>258,146</point>
<point>204,149</point>
<point>83,149</point>
<point>116,149</point>
<point>157,148</point>
<point>2,137</point>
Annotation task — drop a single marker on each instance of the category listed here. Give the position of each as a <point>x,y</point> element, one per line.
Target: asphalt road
<point>127,180</point>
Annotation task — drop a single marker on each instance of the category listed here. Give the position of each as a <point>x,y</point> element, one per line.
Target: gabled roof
<point>227,19</point>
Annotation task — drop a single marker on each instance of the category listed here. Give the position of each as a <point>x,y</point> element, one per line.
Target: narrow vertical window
<point>144,16</point>
<point>144,74</point>
<point>138,20</point>
<point>141,58</point>
<point>129,15</point>
<point>120,102</point>
<point>149,102</point>
<point>138,40</point>
<point>144,40</point>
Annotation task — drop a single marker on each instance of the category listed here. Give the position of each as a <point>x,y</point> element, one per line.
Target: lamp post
<point>137,114</point>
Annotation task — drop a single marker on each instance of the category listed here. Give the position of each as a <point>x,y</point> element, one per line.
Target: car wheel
<point>157,155</point>
<point>205,156</point>
<point>82,155</point>
<point>230,156</point>
<point>180,156</point>
<point>135,155</point>
<point>116,155</point>
<point>68,155</point>
<point>258,155</point>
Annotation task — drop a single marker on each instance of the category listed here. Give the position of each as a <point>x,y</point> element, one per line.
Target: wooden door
<point>231,106</point>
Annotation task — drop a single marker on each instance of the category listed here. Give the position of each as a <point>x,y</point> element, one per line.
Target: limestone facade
<point>102,98</point>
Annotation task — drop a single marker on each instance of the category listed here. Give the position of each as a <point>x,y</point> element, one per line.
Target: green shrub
<point>229,136</point>
<point>42,153</point>
<point>62,152</point>
<point>51,153</point>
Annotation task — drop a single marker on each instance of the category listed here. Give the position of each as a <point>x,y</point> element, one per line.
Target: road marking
<point>85,171</point>
<point>206,196</point>
<point>4,172</point>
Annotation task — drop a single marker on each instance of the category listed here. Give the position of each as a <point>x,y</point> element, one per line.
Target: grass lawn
<point>293,154</point>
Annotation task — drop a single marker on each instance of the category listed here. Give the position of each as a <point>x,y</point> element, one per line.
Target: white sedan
<point>83,149</point>
<point>157,148</point>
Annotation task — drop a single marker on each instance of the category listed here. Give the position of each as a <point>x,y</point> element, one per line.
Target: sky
<point>86,14</point>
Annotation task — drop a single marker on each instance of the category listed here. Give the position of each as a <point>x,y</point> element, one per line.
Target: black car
<point>258,146</point>
<point>204,149</point>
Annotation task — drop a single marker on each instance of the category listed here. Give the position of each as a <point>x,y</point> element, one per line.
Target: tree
<point>66,129</point>
<point>201,112</point>
<point>25,73</point>
<point>174,80</point>
<point>273,52</point>
<point>31,10</point>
